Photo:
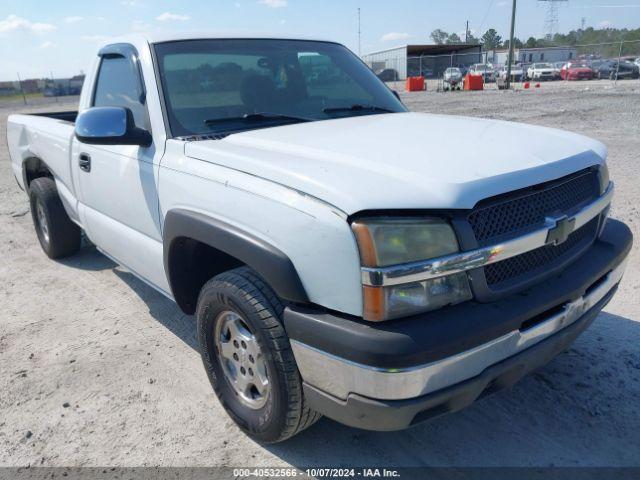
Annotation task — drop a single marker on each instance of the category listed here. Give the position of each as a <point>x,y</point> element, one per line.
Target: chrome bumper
<point>340,377</point>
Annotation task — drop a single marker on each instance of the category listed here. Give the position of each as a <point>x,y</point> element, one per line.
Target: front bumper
<point>391,375</point>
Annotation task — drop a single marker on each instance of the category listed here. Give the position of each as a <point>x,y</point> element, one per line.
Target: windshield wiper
<point>257,117</point>
<point>357,108</point>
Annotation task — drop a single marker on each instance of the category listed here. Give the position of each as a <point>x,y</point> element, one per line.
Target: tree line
<point>491,39</point>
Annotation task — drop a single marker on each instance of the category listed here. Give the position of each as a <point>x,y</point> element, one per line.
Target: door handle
<point>84,162</point>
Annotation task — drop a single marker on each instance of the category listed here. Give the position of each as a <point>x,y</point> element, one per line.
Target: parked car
<point>330,268</point>
<point>541,71</point>
<point>612,69</point>
<point>484,69</point>
<point>576,71</point>
<point>452,77</point>
<point>388,75</point>
<point>517,73</point>
<point>637,62</point>
<point>557,68</point>
<point>463,69</point>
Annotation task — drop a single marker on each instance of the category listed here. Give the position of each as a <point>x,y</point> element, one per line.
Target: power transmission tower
<point>551,20</point>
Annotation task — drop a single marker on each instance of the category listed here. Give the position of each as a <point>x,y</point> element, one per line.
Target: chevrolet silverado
<point>280,192</point>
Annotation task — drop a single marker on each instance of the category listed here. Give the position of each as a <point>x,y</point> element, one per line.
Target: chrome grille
<point>528,262</point>
<point>514,214</point>
<point>530,208</point>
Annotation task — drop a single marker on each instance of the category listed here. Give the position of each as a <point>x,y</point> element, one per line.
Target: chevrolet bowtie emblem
<point>561,230</point>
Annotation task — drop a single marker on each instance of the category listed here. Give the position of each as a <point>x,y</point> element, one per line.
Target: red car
<point>576,71</point>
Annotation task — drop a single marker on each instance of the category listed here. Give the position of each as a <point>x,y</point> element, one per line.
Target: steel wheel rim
<point>42,221</point>
<point>241,359</point>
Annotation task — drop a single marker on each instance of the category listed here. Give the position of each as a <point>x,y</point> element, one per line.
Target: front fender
<point>270,263</point>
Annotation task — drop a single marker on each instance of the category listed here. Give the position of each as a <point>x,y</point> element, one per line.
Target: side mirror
<point>110,126</point>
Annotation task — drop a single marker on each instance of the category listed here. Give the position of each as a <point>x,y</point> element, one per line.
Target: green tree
<point>491,39</point>
<point>453,38</point>
<point>531,43</point>
<point>517,43</point>
<point>471,40</point>
<point>439,36</point>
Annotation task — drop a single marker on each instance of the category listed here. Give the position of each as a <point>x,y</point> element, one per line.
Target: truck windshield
<point>214,86</point>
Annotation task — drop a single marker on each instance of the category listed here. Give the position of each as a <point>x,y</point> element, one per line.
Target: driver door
<point>118,183</point>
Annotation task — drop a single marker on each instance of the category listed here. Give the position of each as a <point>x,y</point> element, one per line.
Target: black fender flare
<point>25,166</point>
<point>268,261</point>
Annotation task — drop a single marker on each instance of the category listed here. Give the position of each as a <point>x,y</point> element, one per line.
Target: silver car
<point>452,76</point>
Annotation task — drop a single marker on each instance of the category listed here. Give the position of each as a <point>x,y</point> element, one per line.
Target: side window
<point>119,85</point>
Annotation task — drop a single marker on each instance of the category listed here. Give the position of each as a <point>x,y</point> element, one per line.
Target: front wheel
<point>248,358</point>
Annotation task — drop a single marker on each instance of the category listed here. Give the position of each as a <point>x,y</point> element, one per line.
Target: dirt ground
<point>98,369</point>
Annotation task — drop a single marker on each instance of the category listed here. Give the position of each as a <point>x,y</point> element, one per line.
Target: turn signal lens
<point>386,303</point>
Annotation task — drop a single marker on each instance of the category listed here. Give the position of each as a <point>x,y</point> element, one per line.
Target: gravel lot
<point>98,369</point>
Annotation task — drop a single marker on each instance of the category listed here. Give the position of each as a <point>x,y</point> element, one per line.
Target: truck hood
<point>403,160</point>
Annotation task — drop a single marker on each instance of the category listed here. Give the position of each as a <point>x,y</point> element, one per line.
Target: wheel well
<point>191,264</point>
<point>33,168</point>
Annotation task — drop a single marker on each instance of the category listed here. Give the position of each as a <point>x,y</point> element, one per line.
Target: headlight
<point>384,242</point>
<point>603,175</point>
<point>390,241</point>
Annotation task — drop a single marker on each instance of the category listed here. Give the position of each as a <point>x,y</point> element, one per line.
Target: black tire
<point>285,412</point>
<point>58,235</point>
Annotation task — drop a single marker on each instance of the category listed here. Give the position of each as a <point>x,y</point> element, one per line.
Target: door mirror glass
<point>110,126</point>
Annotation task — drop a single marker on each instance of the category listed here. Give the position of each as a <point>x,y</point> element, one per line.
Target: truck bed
<point>67,116</point>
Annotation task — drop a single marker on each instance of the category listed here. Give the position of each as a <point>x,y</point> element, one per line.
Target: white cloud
<point>167,16</point>
<point>130,3</point>
<point>140,26</point>
<point>605,24</point>
<point>48,44</point>
<point>72,19</point>
<point>13,23</point>
<point>93,38</point>
<point>273,3</point>
<point>394,36</point>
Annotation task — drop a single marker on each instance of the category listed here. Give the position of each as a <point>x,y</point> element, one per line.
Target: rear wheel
<point>248,358</point>
<point>58,235</point>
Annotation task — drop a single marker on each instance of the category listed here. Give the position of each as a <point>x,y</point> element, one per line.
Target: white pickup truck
<point>279,191</point>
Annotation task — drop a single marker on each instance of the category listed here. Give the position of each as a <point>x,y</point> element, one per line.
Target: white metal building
<point>427,60</point>
<point>531,55</point>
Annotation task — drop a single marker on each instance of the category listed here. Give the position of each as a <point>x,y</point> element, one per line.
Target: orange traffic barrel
<point>473,82</point>
<point>415,84</point>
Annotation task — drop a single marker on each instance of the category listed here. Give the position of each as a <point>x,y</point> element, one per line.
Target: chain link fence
<point>607,61</point>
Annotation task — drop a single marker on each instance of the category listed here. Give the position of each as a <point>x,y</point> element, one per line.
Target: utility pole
<point>359,35</point>
<point>24,99</point>
<point>466,33</point>
<point>53,85</point>
<point>511,36</point>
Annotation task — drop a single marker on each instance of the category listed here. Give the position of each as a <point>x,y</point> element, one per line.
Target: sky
<point>44,38</point>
